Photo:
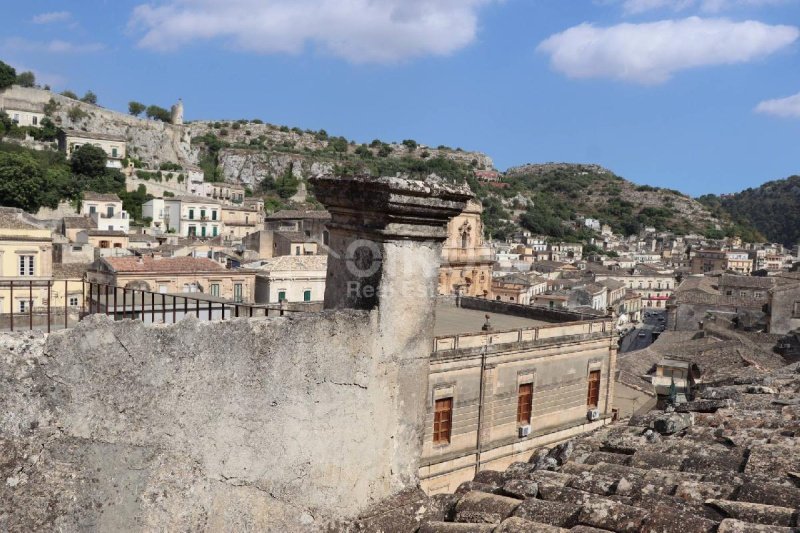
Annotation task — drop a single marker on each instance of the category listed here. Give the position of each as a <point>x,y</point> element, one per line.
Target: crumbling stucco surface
<point>283,424</point>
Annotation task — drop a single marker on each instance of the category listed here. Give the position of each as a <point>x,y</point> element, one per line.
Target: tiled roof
<point>14,218</point>
<point>291,214</point>
<point>100,197</point>
<point>70,270</point>
<point>612,284</point>
<point>94,135</point>
<point>295,236</point>
<point>79,223</point>
<point>522,278</point>
<point>106,233</point>
<point>295,262</point>
<point>141,237</point>
<point>754,282</point>
<point>726,462</point>
<point>163,265</point>
<point>193,199</point>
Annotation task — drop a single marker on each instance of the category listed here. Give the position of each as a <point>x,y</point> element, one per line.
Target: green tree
<point>410,144</point>
<point>51,107</point>
<point>89,161</point>
<point>46,131</point>
<point>132,201</point>
<point>22,181</point>
<point>339,144</point>
<point>76,114</point>
<point>26,79</point>
<point>8,75</point>
<point>136,108</point>
<point>69,94</point>
<point>5,123</point>
<point>158,113</point>
<point>89,98</point>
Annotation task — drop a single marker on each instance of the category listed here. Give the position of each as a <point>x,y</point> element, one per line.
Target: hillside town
<point>558,377</point>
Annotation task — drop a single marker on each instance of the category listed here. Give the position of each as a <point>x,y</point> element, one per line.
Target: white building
<point>23,113</point>
<point>112,145</point>
<point>187,216</point>
<point>291,278</point>
<point>106,211</point>
<point>592,223</point>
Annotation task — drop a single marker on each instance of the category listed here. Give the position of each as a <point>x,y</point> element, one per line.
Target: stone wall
<point>227,426</point>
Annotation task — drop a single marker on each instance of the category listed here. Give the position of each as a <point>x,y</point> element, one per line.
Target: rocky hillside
<point>548,197</point>
<point>151,141</point>
<point>248,151</point>
<point>773,209</point>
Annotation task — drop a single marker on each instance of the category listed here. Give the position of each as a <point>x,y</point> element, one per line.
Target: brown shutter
<point>442,420</point>
<point>525,403</point>
<point>594,388</point>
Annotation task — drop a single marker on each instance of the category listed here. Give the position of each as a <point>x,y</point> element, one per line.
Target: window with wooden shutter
<point>442,420</point>
<point>594,388</point>
<point>524,404</point>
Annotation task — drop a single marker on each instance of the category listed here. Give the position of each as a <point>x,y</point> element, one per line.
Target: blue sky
<point>696,95</point>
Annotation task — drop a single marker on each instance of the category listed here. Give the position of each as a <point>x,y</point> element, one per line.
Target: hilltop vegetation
<point>773,209</point>
<point>550,197</point>
<point>31,179</point>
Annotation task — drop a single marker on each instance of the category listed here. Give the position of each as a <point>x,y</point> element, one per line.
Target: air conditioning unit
<point>524,431</point>
<point>593,414</point>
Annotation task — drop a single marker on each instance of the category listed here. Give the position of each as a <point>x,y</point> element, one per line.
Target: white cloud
<point>56,46</point>
<point>633,7</point>
<point>781,107</point>
<point>651,53</point>
<point>361,31</point>
<point>53,16</point>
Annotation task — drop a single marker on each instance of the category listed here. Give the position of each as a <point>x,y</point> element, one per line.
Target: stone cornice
<point>391,207</point>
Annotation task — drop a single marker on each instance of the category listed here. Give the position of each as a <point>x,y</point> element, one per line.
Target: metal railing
<point>45,316</point>
<point>169,308</point>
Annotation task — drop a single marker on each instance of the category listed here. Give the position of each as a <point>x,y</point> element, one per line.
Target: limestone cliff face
<point>260,150</point>
<point>249,167</point>
<point>151,141</point>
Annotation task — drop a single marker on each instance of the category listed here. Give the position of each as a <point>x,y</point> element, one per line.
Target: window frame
<point>443,421</point>
<point>26,268</point>
<point>524,404</point>
<point>593,388</point>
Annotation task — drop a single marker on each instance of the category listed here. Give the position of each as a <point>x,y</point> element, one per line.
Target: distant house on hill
<point>112,145</point>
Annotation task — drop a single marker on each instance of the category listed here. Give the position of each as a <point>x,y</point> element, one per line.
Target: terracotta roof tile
<point>164,265</point>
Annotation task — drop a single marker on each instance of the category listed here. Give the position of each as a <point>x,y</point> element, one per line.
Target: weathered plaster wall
<point>276,424</point>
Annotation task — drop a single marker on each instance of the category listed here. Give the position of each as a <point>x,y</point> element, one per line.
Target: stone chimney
<point>385,237</point>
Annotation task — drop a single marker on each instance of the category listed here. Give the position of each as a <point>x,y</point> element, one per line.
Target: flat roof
<point>451,320</point>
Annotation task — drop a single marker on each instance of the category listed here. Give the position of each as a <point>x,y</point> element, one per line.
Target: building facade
<point>466,260</point>
<point>187,216</point>
<point>106,210</point>
<point>495,397</point>
<point>241,221</point>
<point>291,279</point>
<point>173,275</point>
<point>112,145</point>
<point>26,260</point>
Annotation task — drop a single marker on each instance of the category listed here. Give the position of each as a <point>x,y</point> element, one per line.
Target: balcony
<point>480,255</point>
